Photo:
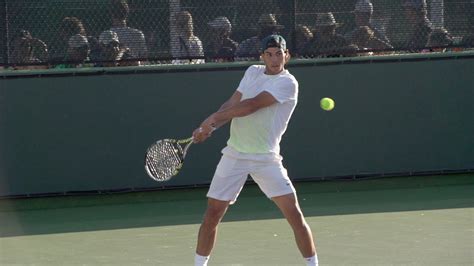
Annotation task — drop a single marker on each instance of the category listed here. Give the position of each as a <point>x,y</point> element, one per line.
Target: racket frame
<point>181,155</point>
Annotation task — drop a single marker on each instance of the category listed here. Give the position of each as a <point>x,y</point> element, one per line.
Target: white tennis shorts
<point>232,172</point>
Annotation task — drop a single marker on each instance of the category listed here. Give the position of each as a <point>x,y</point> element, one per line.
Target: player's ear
<point>287,56</point>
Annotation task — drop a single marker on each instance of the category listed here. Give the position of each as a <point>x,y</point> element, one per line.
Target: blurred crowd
<point>122,45</point>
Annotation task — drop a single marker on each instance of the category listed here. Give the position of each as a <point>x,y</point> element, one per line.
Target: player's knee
<point>298,221</point>
<point>212,218</point>
<point>214,213</point>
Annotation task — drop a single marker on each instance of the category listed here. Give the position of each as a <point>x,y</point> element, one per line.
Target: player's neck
<point>271,72</point>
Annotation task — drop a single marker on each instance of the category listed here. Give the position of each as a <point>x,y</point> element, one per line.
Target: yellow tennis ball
<point>327,104</point>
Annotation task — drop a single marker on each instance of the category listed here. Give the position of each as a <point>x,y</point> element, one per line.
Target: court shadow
<point>19,217</point>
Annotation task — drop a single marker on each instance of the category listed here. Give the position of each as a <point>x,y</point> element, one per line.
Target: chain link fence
<point>78,33</point>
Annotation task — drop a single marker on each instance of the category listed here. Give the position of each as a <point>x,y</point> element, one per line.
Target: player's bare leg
<point>208,230</point>
<point>290,208</point>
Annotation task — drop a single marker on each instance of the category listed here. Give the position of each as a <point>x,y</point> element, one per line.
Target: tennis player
<point>260,110</point>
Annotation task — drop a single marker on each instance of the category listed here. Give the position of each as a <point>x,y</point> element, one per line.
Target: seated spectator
<point>77,54</point>
<point>365,40</point>
<point>416,13</point>
<point>439,39</point>
<point>221,47</point>
<point>28,52</point>
<point>363,17</point>
<point>69,27</point>
<point>185,46</point>
<point>302,35</point>
<point>326,42</point>
<point>131,38</point>
<point>111,53</point>
<point>250,48</point>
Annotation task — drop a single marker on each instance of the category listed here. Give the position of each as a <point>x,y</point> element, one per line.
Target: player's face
<point>275,60</point>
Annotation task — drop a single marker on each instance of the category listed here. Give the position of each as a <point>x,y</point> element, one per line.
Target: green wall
<point>88,131</point>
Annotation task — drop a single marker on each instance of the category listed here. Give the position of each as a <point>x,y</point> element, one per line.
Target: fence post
<point>437,13</point>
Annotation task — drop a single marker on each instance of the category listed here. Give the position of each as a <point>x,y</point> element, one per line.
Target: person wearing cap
<point>363,17</point>
<point>326,42</point>
<point>249,49</point>
<point>220,46</point>
<point>259,112</point>
<point>111,53</point>
<point>417,15</point>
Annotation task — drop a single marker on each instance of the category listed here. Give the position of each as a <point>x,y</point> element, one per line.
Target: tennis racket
<point>164,158</point>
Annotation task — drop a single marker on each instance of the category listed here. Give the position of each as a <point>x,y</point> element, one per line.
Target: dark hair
<point>72,26</point>
<point>120,9</point>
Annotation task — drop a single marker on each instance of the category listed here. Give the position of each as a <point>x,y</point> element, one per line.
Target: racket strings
<point>163,160</point>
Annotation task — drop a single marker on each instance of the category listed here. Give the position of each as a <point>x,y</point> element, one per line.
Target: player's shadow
<point>186,206</point>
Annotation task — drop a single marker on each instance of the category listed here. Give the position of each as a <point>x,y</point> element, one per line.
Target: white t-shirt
<point>133,39</point>
<point>261,132</point>
<point>187,47</point>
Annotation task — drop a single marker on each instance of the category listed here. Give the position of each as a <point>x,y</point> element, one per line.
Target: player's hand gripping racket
<point>164,158</point>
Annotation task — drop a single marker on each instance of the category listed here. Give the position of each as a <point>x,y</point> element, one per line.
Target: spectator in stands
<point>28,52</point>
<point>439,39</point>
<point>69,27</point>
<point>416,13</point>
<point>185,46</point>
<point>77,53</point>
<point>302,35</point>
<point>326,42</point>
<point>365,39</point>
<point>111,53</point>
<point>363,17</point>
<point>130,38</point>
<point>220,47</point>
<point>250,48</point>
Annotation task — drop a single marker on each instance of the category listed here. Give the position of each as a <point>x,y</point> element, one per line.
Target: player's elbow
<point>251,106</point>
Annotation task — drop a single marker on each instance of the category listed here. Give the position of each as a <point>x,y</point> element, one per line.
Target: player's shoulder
<point>255,70</point>
<point>288,77</point>
<point>257,67</point>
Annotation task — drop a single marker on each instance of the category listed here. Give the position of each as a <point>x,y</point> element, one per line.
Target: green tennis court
<point>426,220</point>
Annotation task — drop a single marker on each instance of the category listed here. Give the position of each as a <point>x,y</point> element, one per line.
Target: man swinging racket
<point>259,111</point>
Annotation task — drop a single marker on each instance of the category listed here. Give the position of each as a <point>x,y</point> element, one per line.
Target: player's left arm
<point>239,109</point>
<point>285,90</point>
<point>244,108</point>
